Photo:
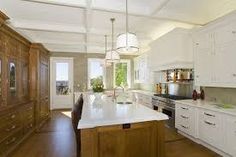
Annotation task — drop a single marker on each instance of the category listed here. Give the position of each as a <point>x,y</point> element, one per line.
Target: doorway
<point>61,77</point>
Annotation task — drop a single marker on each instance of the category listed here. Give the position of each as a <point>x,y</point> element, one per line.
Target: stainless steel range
<point>165,103</point>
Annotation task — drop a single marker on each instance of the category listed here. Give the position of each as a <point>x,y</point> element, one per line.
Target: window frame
<point>89,72</point>
<point>128,61</point>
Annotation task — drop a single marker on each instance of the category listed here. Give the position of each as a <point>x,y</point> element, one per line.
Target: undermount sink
<point>124,103</point>
<point>224,106</point>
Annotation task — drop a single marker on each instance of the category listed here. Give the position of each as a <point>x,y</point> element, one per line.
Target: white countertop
<point>207,105</point>
<point>105,112</point>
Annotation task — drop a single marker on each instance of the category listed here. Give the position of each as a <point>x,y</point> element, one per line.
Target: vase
<point>98,98</point>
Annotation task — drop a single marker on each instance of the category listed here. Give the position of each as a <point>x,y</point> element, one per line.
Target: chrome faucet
<point>114,91</point>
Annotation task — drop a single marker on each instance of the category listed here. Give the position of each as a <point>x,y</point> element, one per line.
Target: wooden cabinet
<point>39,79</point>
<point>127,140</point>
<point>214,53</point>
<point>185,119</point>
<point>14,126</point>
<point>17,111</point>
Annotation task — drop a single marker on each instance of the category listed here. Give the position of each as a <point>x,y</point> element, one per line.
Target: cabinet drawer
<point>210,128</point>
<point>9,117</point>
<point>184,110</point>
<point>28,127</point>
<point>8,129</point>
<point>11,141</point>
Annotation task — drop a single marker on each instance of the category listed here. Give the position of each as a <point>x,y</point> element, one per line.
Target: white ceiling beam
<point>160,7</point>
<point>87,21</point>
<point>39,26</point>
<point>112,11</point>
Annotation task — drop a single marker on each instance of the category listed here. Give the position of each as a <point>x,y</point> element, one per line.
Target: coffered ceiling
<point>80,25</point>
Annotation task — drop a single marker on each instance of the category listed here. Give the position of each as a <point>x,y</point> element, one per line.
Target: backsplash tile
<point>223,95</point>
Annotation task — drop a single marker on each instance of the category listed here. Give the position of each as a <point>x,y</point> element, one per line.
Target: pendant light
<point>106,64</point>
<point>127,42</point>
<point>112,55</point>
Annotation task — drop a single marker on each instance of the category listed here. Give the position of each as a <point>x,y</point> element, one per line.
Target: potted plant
<point>97,86</point>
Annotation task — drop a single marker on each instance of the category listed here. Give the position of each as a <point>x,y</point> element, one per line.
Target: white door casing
<point>61,85</point>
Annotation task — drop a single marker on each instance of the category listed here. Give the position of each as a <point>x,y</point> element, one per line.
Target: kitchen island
<point>109,129</point>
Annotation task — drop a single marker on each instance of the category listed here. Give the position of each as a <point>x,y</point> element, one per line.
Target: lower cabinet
<point>127,140</point>
<point>217,129</point>
<point>15,125</point>
<point>185,119</point>
<point>230,126</point>
<point>211,128</point>
<point>143,99</point>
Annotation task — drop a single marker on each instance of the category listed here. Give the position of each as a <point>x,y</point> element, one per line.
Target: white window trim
<point>104,71</point>
<point>128,61</point>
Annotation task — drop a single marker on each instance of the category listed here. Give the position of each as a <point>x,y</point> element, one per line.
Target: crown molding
<point>3,18</point>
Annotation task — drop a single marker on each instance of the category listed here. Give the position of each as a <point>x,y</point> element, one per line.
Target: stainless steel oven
<point>167,108</point>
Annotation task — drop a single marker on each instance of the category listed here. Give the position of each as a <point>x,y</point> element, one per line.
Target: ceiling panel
<point>18,9</point>
<point>200,11</point>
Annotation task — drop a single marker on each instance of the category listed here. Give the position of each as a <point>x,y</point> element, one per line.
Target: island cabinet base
<point>144,139</point>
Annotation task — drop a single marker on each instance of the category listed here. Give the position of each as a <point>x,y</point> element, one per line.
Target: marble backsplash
<point>223,95</point>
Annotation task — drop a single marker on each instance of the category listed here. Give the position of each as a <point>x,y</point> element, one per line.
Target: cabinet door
<point>1,78</point>
<point>211,128</point>
<point>230,127</point>
<point>226,33</point>
<point>12,81</point>
<point>44,89</point>
<point>203,66</point>
<point>225,67</point>
<point>136,141</point>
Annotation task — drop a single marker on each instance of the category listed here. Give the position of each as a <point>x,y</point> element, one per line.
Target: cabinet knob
<point>197,43</point>
<point>185,117</point>
<point>184,127</point>
<point>234,32</point>
<point>234,75</point>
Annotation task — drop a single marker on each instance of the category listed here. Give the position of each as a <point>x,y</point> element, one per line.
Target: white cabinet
<point>141,70</point>
<point>143,99</point>
<point>185,120</point>
<point>214,128</point>
<point>214,56</point>
<point>211,128</point>
<point>230,134</point>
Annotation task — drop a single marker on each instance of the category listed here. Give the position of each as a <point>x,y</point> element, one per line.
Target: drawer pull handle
<point>185,117</point>
<point>13,116</point>
<point>184,108</point>
<point>209,123</point>
<point>11,128</point>
<point>11,141</point>
<point>210,115</point>
<point>185,127</point>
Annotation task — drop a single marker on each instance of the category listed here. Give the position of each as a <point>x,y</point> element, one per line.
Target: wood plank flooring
<point>56,139</point>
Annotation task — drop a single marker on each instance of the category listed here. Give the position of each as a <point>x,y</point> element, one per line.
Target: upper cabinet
<point>214,54</point>
<point>171,51</point>
<point>141,69</point>
<point>14,67</point>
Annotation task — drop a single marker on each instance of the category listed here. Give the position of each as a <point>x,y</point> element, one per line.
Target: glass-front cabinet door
<point>1,78</point>
<point>12,83</point>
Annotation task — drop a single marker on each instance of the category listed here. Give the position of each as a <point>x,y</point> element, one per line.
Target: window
<point>95,70</point>
<point>62,80</point>
<point>122,74</point>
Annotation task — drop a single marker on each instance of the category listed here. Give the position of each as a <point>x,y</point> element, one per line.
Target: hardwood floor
<point>56,139</point>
